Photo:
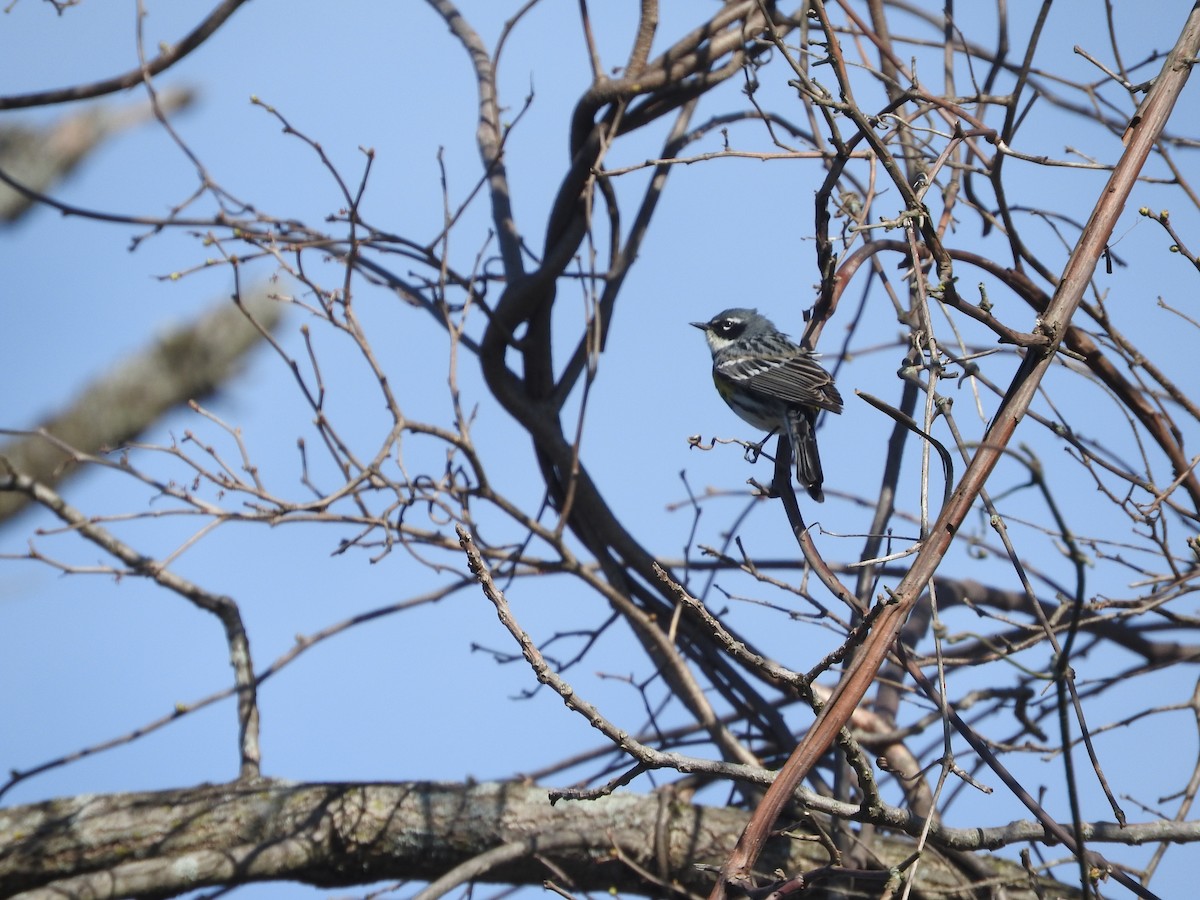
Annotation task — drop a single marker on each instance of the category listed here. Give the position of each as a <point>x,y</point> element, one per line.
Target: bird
<point>772,383</point>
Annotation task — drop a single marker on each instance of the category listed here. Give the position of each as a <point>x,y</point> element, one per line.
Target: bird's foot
<point>754,451</point>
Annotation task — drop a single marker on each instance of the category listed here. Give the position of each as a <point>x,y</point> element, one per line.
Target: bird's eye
<point>728,326</point>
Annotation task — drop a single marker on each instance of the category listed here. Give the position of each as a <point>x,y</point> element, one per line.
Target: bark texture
<point>163,843</point>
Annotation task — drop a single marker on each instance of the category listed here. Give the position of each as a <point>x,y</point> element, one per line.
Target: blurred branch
<point>37,158</point>
<point>185,364</point>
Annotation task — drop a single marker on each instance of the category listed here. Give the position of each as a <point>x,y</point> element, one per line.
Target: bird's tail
<point>804,449</point>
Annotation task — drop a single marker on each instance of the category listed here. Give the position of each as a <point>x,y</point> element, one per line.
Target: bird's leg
<point>754,451</point>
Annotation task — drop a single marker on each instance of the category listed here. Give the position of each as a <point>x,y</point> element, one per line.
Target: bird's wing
<point>794,377</point>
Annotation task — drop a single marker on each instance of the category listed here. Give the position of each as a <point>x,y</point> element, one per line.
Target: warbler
<point>773,384</point>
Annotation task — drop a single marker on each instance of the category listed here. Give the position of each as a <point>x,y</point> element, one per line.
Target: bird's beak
<point>703,326</point>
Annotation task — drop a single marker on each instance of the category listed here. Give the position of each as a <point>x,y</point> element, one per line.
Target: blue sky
<point>405,697</point>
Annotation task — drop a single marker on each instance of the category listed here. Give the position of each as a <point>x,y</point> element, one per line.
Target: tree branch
<point>186,364</point>
<point>156,844</point>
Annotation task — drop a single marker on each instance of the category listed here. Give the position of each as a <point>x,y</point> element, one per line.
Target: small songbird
<point>773,384</point>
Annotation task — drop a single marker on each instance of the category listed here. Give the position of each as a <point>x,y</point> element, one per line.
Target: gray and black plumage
<point>773,384</point>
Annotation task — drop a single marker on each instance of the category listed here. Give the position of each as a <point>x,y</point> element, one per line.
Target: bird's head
<point>729,325</point>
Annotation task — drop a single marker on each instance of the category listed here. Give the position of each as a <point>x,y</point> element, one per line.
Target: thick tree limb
<point>164,843</point>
